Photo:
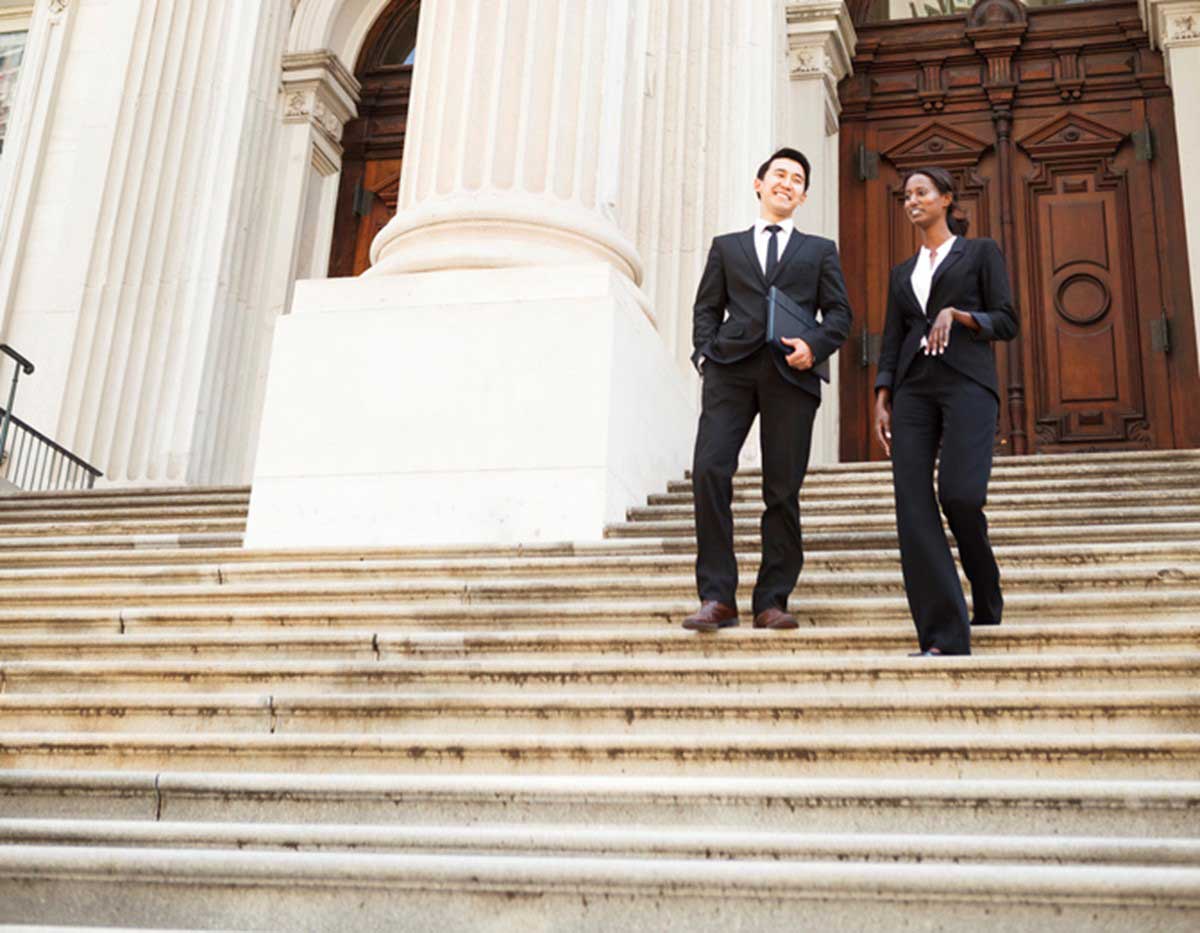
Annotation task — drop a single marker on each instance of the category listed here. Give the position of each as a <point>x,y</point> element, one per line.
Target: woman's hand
<point>938,337</point>
<point>939,334</point>
<point>883,419</point>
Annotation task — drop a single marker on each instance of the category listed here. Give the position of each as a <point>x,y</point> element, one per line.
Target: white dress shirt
<point>922,274</point>
<point>762,238</point>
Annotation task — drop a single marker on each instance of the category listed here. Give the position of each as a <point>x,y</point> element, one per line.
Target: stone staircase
<point>522,738</point>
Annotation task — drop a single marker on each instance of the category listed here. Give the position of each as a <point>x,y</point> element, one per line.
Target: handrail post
<point>12,394</point>
<point>21,364</point>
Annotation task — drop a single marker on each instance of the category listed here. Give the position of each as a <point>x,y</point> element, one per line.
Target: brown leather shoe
<point>775,619</point>
<point>711,616</point>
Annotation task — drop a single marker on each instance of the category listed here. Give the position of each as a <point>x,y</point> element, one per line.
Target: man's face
<point>783,188</point>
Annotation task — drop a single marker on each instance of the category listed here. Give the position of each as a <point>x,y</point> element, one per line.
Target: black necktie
<point>773,249</point>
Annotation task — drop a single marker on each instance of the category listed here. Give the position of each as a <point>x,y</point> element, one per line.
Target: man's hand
<point>883,419</point>
<point>801,356</point>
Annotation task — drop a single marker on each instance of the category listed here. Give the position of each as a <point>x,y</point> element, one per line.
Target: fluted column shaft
<point>1174,27</point>
<point>513,154</point>
<point>171,271</point>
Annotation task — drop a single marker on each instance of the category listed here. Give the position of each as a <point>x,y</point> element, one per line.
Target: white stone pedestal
<point>506,405</point>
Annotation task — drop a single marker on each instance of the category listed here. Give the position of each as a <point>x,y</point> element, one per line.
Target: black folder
<point>785,318</point>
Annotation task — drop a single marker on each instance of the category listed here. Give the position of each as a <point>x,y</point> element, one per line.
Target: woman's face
<point>923,203</point>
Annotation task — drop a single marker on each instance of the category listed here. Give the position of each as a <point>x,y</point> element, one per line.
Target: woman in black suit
<point>937,388</point>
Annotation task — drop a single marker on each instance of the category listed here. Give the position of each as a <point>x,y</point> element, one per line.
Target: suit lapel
<point>793,246</point>
<point>906,288</point>
<point>746,240</point>
<point>956,251</point>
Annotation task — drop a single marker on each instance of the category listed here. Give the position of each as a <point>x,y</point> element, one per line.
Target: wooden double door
<point>1058,127</point>
<point>373,143</point>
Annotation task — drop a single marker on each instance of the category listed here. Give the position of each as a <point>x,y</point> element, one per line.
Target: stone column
<point>1174,27</point>
<point>520,164</point>
<point>169,278</point>
<point>820,42</point>
<point>497,375</point>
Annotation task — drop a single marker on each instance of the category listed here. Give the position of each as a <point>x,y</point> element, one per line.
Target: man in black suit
<point>743,377</point>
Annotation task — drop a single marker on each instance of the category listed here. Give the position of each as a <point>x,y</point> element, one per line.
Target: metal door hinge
<point>1160,334</point>
<point>1143,143</point>
<point>363,199</point>
<point>867,163</point>
<point>869,346</point>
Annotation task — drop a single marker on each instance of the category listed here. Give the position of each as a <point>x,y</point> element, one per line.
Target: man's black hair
<point>787,153</point>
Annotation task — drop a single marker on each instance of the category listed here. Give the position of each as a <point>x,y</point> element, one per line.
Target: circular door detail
<point>1082,298</point>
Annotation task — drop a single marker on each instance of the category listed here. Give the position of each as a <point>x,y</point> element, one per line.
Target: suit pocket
<point>730,330</point>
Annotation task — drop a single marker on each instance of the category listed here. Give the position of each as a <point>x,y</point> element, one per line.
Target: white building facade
<point>514,363</point>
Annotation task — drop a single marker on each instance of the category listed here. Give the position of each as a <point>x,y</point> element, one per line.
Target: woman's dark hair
<point>944,182</point>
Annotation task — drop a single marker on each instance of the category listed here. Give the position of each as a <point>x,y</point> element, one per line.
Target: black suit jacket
<point>972,278</point>
<point>808,272</point>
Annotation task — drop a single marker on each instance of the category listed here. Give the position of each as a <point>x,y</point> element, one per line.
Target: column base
<point>485,406</point>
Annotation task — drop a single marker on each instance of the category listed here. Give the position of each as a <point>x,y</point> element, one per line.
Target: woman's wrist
<point>967,319</point>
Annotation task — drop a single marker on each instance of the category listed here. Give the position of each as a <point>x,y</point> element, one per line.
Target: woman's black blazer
<point>972,278</point>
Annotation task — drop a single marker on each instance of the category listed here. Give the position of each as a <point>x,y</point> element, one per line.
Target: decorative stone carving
<point>320,91</point>
<point>1182,26</point>
<point>820,40</point>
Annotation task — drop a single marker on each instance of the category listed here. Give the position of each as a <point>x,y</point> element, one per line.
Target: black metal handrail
<point>30,460</point>
<point>34,462</point>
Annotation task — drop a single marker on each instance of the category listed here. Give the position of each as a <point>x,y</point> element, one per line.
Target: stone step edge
<point>228,566</point>
<point>1155,887</point>
<point>616,638</point>
<point>864,745</point>
<point>187,546</point>
<point>881,703</point>
<point>1173,794</point>
<point>1012,664</point>
<point>1175,575</point>
<point>603,840</point>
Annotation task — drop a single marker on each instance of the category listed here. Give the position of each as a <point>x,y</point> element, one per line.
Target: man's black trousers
<point>936,406</point>
<point>733,395</point>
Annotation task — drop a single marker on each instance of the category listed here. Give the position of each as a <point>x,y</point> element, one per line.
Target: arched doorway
<point>374,142</point>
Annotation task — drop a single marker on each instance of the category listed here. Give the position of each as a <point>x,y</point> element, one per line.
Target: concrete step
<point>1134,756</point>
<point>749,487</point>
<point>746,522</point>
<point>181,512</point>
<point>18,532</point>
<point>622,711</point>
<point>154,567</point>
<point>999,504</point>
<point>86,547</point>
<point>1162,604</point>
<point>331,891</point>
<point>545,840</point>
<point>817,676</point>
<point>645,641</point>
<point>1115,809</point>
<point>225,548</point>
<point>473,591</point>
<point>1049,465</point>
<point>140,493</point>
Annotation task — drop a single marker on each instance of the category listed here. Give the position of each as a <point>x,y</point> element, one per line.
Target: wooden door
<point>1064,153</point>
<point>374,141</point>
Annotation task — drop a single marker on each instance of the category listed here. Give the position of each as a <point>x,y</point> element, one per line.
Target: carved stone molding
<point>58,7</point>
<point>1171,23</point>
<point>320,91</point>
<point>820,45</point>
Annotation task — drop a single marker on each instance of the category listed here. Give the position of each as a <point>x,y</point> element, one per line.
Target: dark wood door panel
<point>1055,167</point>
